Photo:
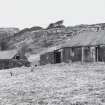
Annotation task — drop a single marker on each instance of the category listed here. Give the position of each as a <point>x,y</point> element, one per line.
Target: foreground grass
<point>62,84</point>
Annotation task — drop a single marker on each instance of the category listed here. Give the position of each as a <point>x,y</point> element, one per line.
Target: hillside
<point>37,38</point>
<point>6,33</point>
<point>63,84</point>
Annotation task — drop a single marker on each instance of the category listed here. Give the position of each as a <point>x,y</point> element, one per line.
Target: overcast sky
<point>28,13</point>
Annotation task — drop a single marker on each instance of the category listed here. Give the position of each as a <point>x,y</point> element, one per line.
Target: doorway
<point>100,54</point>
<point>57,57</point>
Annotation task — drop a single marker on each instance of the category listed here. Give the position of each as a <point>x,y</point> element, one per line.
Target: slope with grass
<point>38,38</point>
<point>63,84</point>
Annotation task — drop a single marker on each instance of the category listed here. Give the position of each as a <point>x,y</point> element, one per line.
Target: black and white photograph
<point>52,52</point>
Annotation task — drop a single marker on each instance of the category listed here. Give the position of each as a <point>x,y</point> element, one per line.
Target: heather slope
<point>37,38</point>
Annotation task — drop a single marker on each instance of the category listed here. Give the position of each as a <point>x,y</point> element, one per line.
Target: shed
<point>84,47</point>
<point>12,58</point>
<point>92,45</point>
<point>51,55</point>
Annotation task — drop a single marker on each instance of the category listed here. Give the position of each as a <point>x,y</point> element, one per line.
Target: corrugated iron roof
<point>7,54</point>
<point>86,39</point>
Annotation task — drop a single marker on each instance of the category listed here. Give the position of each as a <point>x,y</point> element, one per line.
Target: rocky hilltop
<point>36,39</point>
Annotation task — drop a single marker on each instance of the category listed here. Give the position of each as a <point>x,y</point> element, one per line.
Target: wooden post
<point>61,50</point>
<point>83,55</point>
<point>97,53</point>
<point>93,54</point>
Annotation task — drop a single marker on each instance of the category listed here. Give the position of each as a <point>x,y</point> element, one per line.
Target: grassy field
<point>61,84</point>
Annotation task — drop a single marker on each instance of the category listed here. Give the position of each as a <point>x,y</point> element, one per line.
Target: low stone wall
<point>11,63</point>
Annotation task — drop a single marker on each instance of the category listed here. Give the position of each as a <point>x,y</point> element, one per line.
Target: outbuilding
<point>84,47</point>
<point>12,58</point>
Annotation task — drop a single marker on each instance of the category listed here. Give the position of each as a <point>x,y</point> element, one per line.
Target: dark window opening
<point>57,57</point>
<point>17,57</point>
<point>97,54</point>
<point>100,54</point>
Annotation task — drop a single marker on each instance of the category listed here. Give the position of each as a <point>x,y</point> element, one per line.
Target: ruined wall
<point>47,58</point>
<point>11,63</point>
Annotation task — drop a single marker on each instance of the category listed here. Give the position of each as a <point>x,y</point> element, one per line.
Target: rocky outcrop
<point>58,24</point>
